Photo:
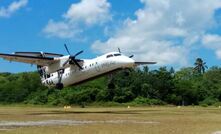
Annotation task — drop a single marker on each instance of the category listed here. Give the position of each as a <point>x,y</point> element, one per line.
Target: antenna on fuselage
<point>120,52</point>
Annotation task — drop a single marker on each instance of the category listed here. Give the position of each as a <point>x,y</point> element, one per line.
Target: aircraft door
<point>97,67</point>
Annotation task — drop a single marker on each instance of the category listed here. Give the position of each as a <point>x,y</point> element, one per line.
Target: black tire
<point>59,86</point>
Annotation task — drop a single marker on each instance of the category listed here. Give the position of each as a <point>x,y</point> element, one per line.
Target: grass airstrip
<point>110,120</point>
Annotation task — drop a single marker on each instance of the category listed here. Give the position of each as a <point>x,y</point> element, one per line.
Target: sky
<point>170,32</point>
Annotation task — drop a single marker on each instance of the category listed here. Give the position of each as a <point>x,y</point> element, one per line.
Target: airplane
<point>59,71</point>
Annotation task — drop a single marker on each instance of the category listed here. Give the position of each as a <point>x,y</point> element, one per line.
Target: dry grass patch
<point>142,120</point>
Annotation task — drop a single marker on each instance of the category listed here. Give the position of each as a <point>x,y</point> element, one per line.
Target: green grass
<point>167,120</point>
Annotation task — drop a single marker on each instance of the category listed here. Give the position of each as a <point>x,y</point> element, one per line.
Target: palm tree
<point>200,66</point>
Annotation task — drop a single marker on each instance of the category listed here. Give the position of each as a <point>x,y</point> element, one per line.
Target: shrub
<point>147,101</point>
<point>208,101</point>
<point>217,104</point>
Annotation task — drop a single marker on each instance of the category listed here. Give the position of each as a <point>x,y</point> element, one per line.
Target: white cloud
<point>86,13</point>
<point>164,30</point>
<point>213,41</point>
<point>59,29</point>
<point>12,8</point>
<point>89,12</point>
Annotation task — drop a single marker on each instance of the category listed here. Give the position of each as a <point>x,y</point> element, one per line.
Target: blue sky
<point>171,32</point>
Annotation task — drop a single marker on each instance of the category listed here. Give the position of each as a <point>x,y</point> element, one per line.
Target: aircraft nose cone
<point>128,62</point>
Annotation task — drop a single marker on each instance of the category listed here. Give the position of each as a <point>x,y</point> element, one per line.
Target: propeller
<point>72,58</point>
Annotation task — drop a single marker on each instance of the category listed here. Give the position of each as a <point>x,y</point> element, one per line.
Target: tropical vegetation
<point>140,86</point>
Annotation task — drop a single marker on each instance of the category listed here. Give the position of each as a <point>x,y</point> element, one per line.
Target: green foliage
<point>139,86</point>
<point>208,101</point>
<point>147,101</point>
<point>217,104</point>
<point>200,66</point>
<point>17,87</point>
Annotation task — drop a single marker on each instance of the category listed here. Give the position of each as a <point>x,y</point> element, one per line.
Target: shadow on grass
<point>54,112</point>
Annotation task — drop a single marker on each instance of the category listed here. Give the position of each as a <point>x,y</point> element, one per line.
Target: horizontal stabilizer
<point>145,63</point>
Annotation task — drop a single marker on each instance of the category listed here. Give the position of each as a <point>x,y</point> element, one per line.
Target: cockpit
<point>113,55</point>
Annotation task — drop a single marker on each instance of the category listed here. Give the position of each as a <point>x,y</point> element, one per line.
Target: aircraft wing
<point>38,54</point>
<point>144,63</point>
<point>42,61</point>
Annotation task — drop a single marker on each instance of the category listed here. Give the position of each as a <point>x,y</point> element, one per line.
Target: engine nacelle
<point>57,66</point>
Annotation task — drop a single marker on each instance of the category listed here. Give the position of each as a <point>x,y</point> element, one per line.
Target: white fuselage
<point>91,68</point>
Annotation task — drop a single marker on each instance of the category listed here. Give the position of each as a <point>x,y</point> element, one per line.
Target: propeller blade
<point>76,63</point>
<point>78,53</point>
<point>67,49</point>
<point>66,62</point>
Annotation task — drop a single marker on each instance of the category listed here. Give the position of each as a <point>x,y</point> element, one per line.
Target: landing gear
<point>59,86</point>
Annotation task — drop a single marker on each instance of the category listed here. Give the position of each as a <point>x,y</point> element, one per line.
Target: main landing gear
<point>60,85</point>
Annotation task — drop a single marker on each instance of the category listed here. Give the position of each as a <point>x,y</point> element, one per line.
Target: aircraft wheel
<point>59,86</point>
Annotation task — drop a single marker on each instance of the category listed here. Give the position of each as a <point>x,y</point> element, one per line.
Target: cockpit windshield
<point>117,54</point>
<point>110,55</point>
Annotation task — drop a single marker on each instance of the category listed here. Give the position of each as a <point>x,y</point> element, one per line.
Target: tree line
<point>188,86</point>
